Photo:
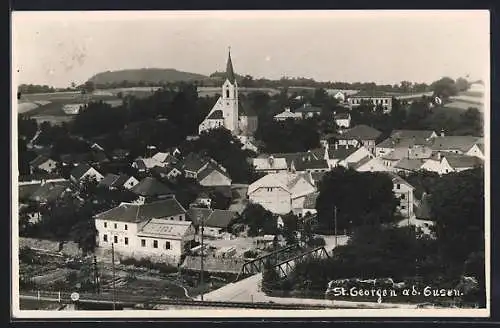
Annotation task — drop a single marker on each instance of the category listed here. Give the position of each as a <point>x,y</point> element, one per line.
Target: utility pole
<point>202,256</point>
<point>96,275</point>
<point>408,209</point>
<point>113,260</point>
<point>335,224</point>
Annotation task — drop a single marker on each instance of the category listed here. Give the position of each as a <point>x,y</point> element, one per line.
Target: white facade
<point>373,165</point>
<point>130,183</point>
<point>404,193</point>
<point>475,151</point>
<point>384,101</point>
<point>91,173</point>
<point>215,178</point>
<point>343,122</point>
<point>287,114</point>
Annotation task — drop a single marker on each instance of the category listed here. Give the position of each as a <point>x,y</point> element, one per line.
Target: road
<point>248,290</point>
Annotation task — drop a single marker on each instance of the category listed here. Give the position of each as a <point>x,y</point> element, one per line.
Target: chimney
<point>287,109</point>
<point>336,146</point>
<point>439,156</point>
<point>442,132</point>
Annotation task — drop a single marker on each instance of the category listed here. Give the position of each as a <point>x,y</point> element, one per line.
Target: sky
<point>58,48</point>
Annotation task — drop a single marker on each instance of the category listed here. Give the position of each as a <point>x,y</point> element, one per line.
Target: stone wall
<point>68,248</point>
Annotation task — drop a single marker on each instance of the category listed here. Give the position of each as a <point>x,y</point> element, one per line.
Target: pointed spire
<point>229,68</point>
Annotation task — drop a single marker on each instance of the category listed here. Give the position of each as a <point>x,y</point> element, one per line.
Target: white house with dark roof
<point>118,181</point>
<point>43,163</point>
<point>84,171</point>
<point>444,163</point>
<point>281,192</point>
<point>158,230</point>
<point>416,142</point>
<point>455,144</point>
<point>287,114</point>
<point>477,150</point>
<point>149,189</point>
<point>359,135</point>
<point>374,98</point>
<point>307,111</point>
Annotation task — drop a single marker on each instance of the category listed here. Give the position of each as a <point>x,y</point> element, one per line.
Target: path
<point>248,290</point>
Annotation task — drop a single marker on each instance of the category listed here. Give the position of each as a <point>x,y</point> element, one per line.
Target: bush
<point>317,242</point>
<point>250,254</point>
<point>147,263</point>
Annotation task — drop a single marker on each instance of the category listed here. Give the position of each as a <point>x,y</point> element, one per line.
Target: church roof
<point>229,69</point>
<point>216,115</point>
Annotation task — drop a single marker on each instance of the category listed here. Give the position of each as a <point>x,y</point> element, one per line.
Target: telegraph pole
<point>96,275</point>
<point>202,256</point>
<point>113,260</point>
<point>335,224</point>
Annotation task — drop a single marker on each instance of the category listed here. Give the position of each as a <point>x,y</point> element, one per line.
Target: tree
<point>361,198</point>
<point>444,87</point>
<point>457,203</point>
<point>259,220</point>
<point>461,84</point>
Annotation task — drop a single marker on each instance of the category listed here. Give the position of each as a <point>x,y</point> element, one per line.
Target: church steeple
<point>229,68</point>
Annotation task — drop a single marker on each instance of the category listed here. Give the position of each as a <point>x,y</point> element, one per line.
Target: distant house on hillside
<point>374,98</point>
<point>343,120</point>
<point>308,111</point>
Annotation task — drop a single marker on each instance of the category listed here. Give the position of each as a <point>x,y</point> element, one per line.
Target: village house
<point>369,164</point>
<point>85,171</point>
<point>343,120</point>
<point>418,140</point>
<point>375,99</point>
<point>309,206</point>
<point>336,155</point>
<point>308,111</point>
<point>43,163</point>
<point>403,191</point>
<point>149,189</point>
<point>287,114</point>
<point>213,175</point>
<point>248,143</point>
<point>309,164</point>
<point>193,164</point>
<point>477,150</point>
<point>444,163</point>
<point>215,222</point>
<point>49,192</point>
<point>158,231</point>
<point>455,144</point>
<point>407,165</point>
<point>169,172</point>
<point>115,181</point>
<point>269,164</point>
<point>340,96</point>
<point>228,111</point>
<point>360,135</point>
<point>281,192</point>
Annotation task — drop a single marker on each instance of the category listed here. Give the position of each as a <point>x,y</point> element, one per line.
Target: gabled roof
<point>397,142</point>
<point>340,152</point>
<point>409,164</point>
<point>296,157</point>
<point>396,155</point>
<point>39,160</point>
<point>310,164</point>
<point>109,180</point>
<point>308,108</point>
<point>216,115</point>
<point>359,163</point>
<point>193,162</point>
<point>208,170</point>
<point>462,143</point>
<point>122,179</point>
<point>142,212</point>
<point>165,229</point>
<point>462,161</point>
<point>79,171</point>
<point>151,187</point>
<point>220,218</point>
<point>120,153</point>
<point>419,134</point>
<point>362,132</point>
<point>139,163</point>
<point>288,114</point>
<point>285,180</point>
<point>397,179</point>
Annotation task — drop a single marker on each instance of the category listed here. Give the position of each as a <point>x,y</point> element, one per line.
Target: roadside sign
<point>75,296</point>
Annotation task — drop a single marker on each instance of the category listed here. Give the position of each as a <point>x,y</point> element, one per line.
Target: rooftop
<point>462,161</point>
<point>141,212</point>
<point>409,164</point>
<point>270,163</point>
<point>462,143</point>
<point>216,115</point>
<point>151,187</point>
<point>363,132</point>
<point>285,180</point>
<point>80,170</point>
<point>161,228</point>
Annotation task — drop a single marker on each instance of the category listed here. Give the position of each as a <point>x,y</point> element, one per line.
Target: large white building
<point>282,192</point>
<point>158,231</point>
<point>228,112</point>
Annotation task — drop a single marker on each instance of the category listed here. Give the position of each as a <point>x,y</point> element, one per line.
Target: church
<point>228,111</point>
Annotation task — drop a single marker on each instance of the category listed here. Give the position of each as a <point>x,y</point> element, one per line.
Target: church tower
<point>230,98</point>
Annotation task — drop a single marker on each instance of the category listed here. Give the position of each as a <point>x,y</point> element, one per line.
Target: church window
<point>227,93</point>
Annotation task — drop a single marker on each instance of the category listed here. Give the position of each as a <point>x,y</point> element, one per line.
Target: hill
<point>148,75</point>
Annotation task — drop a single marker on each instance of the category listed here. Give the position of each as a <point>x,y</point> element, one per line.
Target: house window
<point>116,226</point>
<point>398,186</point>
<point>126,227</point>
<point>155,243</point>
<point>180,217</point>
<point>167,245</point>
<point>115,239</point>
<point>402,196</point>
<point>105,238</point>
<point>126,240</point>
<point>143,242</point>
<point>403,207</point>
<point>105,224</point>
